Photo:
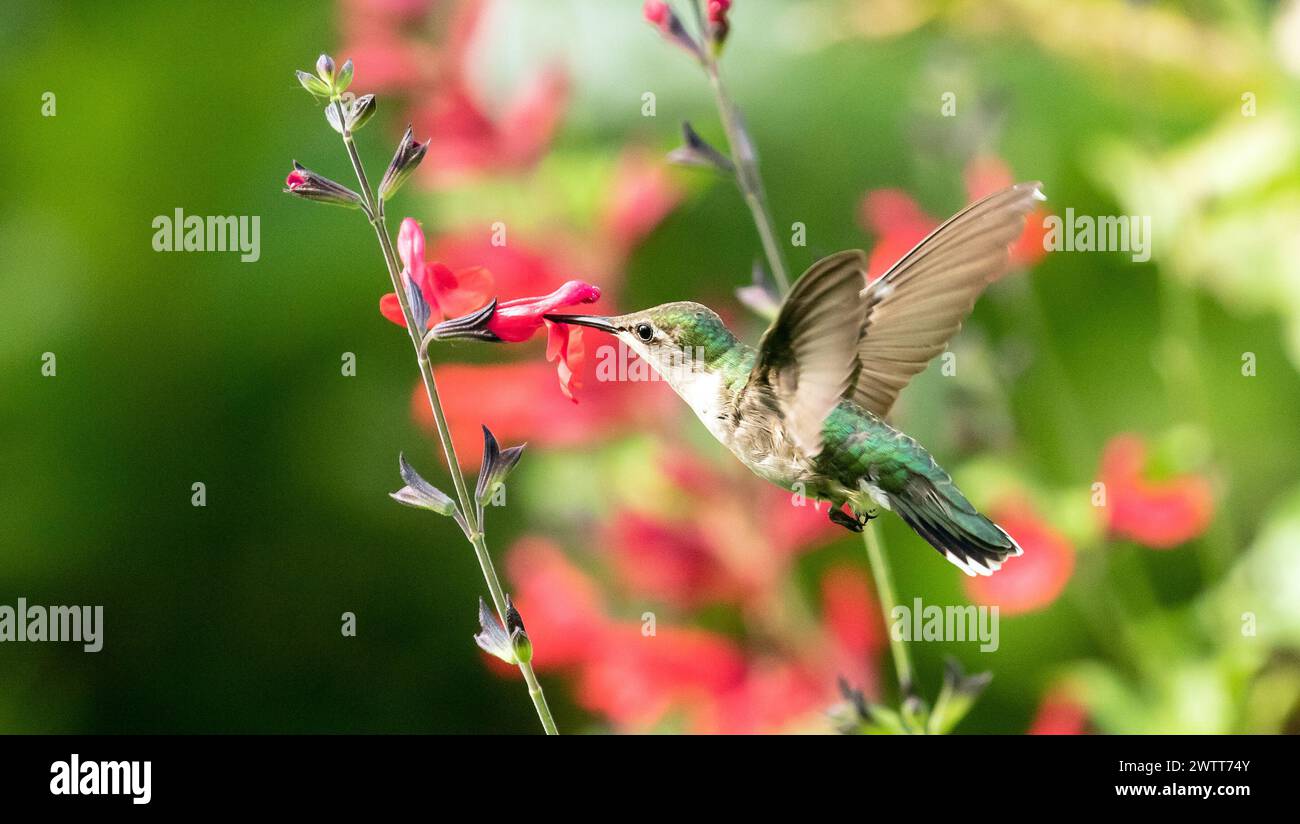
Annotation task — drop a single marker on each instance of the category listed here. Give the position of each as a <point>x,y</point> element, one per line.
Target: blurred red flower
<point>519,403</point>
<point>1159,514</point>
<point>899,223</point>
<point>1059,714</point>
<point>670,561</point>
<point>642,194</point>
<point>467,140</point>
<point>639,675</point>
<point>519,267</point>
<point>987,174</point>
<point>1034,580</point>
<point>853,619</point>
<point>564,606</point>
<point>728,537</point>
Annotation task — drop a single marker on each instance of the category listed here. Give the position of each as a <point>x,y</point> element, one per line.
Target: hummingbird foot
<point>849,522</point>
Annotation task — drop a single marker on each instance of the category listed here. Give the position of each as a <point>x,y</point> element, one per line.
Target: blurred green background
<point>194,367</point>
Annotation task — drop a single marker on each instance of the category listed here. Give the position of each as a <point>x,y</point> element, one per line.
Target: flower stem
<point>885,590</point>
<point>375,213</point>
<point>745,160</point>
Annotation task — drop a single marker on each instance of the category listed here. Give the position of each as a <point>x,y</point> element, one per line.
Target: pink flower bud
<point>656,11</point>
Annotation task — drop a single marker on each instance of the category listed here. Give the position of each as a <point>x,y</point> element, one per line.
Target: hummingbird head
<point>679,340</point>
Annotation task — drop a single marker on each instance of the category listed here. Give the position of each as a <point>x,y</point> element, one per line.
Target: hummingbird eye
<point>645,332</point>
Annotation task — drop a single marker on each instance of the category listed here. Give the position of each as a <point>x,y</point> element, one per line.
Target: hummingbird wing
<point>806,358</point>
<point>916,307</point>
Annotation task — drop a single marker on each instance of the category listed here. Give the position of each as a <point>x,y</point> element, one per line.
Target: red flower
<point>655,11</point>
<point>435,78</point>
<point>853,622</point>
<point>563,607</point>
<point>448,293</point>
<point>519,403</point>
<point>517,320</point>
<point>1158,514</point>
<point>295,179</point>
<point>636,679</point>
<point>1035,580</point>
<point>1059,714</point>
<point>642,195</point>
<point>987,174</point>
<point>670,561</point>
<point>899,223</point>
<point>519,267</point>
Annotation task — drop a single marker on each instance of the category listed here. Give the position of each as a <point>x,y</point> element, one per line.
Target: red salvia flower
<point>517,320</point>
<point>1157,514</point>
<point>1035,580</point>
<point>656,12</point>
<point>899,223</point>
<point>448,293</point>
<point>1059,714</point>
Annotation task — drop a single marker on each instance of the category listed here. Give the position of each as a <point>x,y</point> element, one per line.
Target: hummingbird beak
<point>594,321</point>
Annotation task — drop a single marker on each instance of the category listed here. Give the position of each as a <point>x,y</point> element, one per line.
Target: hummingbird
<point>806,409</point>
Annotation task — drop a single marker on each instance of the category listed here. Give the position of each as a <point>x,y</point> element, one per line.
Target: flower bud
<point>325,69</point>
<point>344,78</point>
<point>696,151</point>
<point>719,26</point>
<point>520,644</point>
<point>661,16</point>
<point>305,183</point>
<point>405,160</point>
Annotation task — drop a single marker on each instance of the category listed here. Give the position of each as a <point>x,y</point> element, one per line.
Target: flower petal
<point>564,346</point>
<point>391,308</point>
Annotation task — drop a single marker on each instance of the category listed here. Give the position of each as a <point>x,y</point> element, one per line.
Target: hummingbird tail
<point>937,511</point>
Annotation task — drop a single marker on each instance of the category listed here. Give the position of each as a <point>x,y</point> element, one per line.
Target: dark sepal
<point>421,494</point>
<point>696,151</point>
<point>497,464</point>
<point>520,644</point>
<point>858,716</point>
<point>473,325</point>
<point>957,696</point>
<point>420,309</point>
<point>305,183</point>
<point>404,162</point>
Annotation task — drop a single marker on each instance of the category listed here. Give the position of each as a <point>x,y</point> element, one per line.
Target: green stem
<point>885,590</point>
<point>375,213</point>
<point>745,160</point>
